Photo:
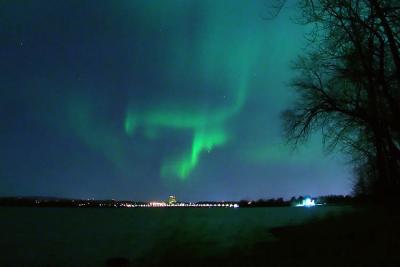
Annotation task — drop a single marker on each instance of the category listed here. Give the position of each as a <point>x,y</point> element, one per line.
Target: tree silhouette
<point>349,86</point>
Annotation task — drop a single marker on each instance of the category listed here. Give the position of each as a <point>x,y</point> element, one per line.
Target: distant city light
<point>171,202</point>
<point>157,204</point>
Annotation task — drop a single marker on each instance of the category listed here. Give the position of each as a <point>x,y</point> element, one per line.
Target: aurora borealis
<point>141,99</point>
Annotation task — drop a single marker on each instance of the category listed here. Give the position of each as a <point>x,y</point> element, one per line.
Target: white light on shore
<point>308,202</point>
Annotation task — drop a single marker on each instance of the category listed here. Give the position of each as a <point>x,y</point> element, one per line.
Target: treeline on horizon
<point>323,200</point>
<point>61,202</point>
<point>272,202</point>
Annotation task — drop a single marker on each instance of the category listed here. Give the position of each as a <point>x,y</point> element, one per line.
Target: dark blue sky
<point>142,99</point>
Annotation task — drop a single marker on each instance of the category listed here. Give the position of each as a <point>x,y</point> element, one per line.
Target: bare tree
<point>349,85</point>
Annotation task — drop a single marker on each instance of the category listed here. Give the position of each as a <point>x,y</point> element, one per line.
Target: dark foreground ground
<point>364,238</point>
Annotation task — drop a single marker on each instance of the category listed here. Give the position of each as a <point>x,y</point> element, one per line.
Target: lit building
<point>171,200</point>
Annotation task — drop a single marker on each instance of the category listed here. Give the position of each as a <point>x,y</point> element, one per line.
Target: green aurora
<point>139,98</point>
<point>214,55</point>
<point>219,62</point>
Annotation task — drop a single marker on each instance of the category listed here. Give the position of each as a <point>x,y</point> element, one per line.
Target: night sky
<point>143,99</point>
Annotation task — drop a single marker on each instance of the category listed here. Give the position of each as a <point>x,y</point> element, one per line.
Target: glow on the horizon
<point>308,202</point>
